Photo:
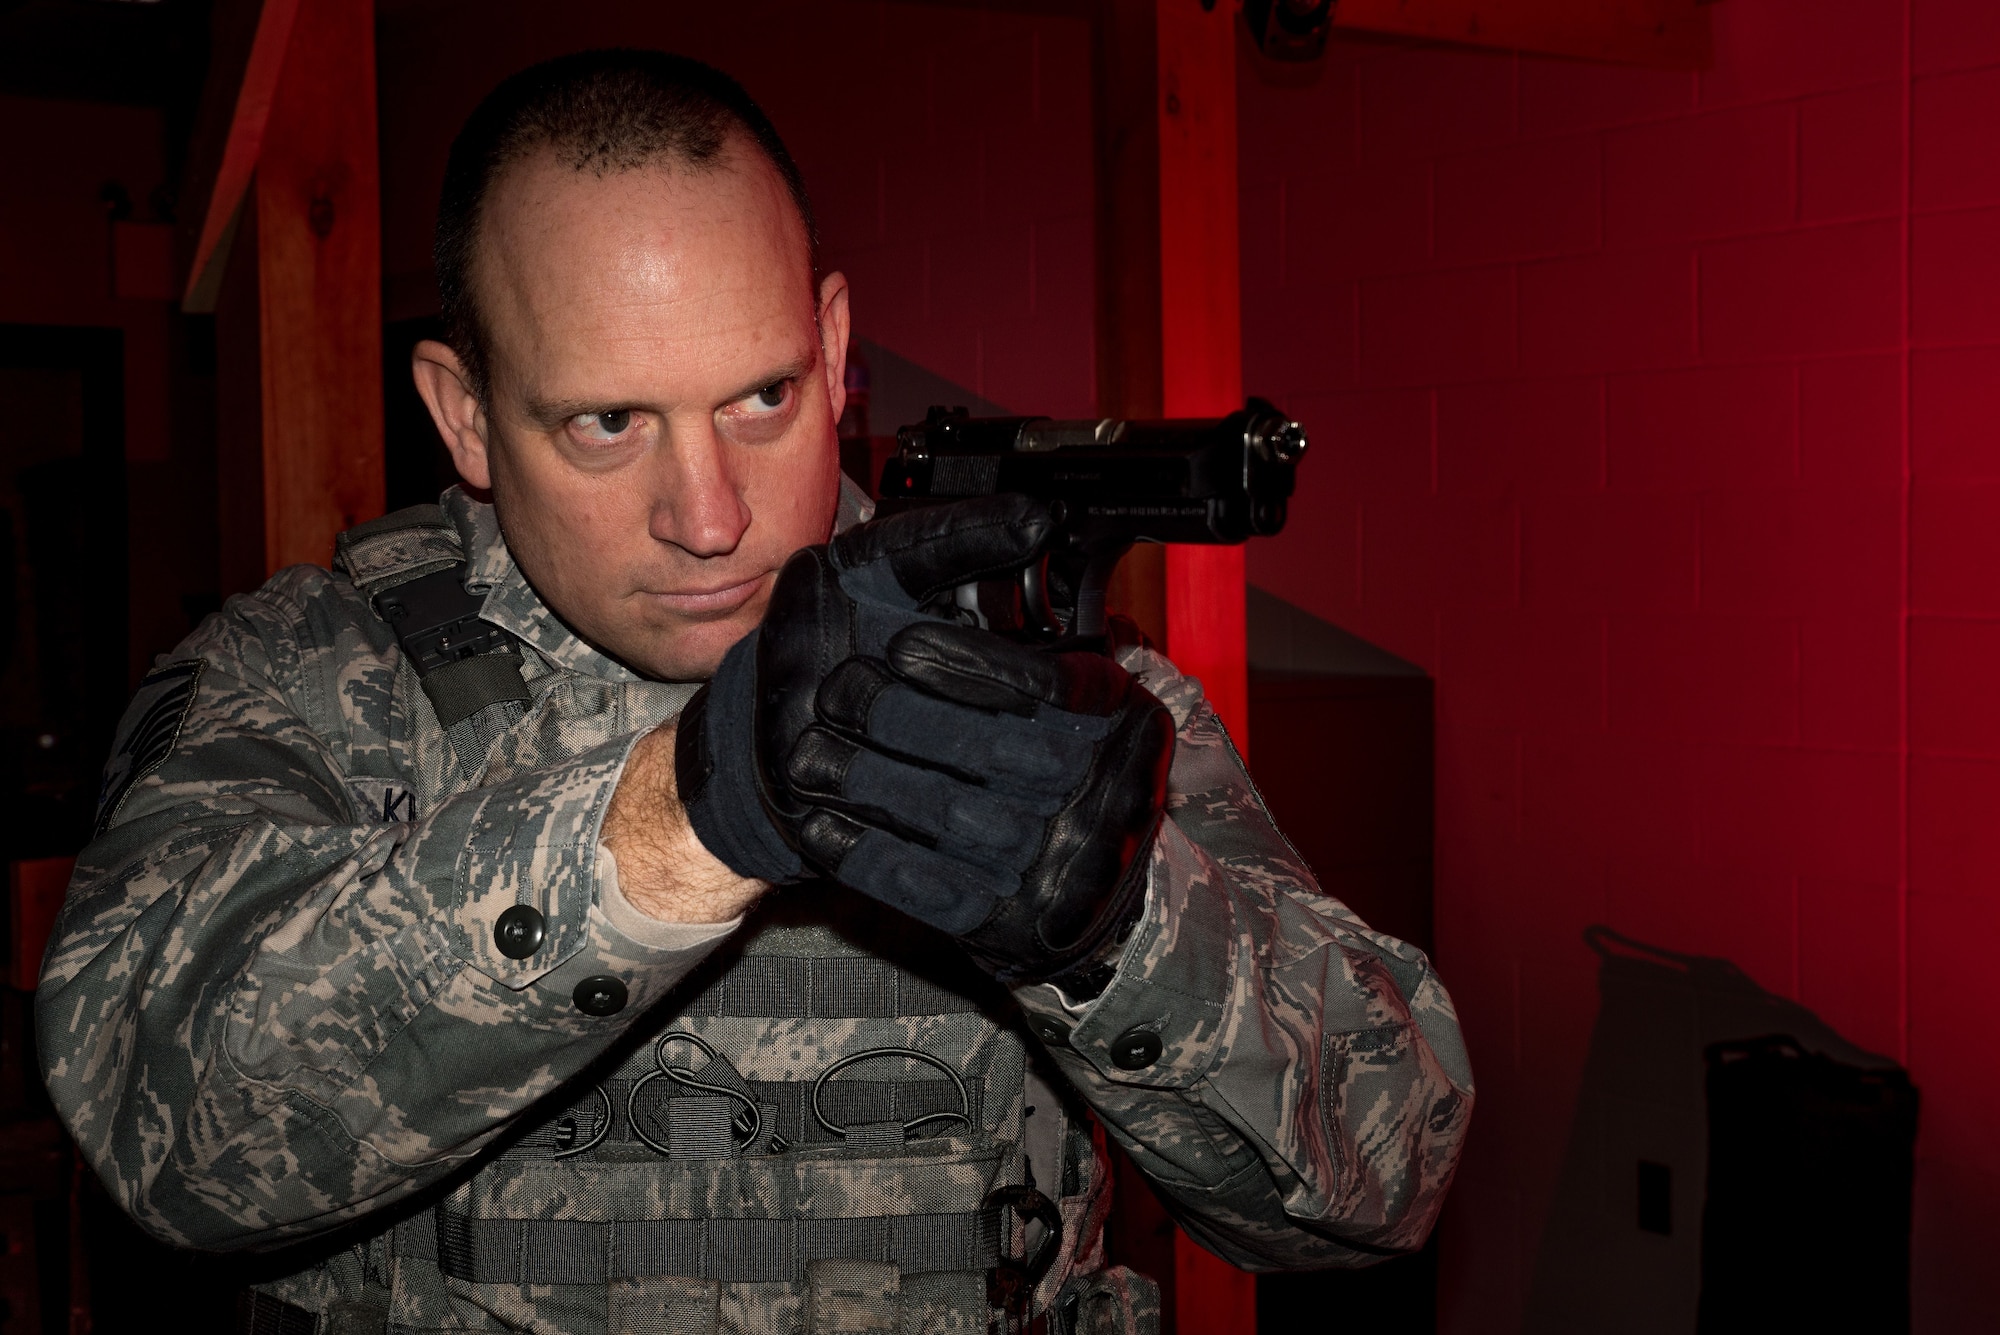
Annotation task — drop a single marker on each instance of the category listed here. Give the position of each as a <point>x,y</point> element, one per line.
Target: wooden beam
<point>1201,375</point>
<point>1673,34</point>
<point>1169,340</point>
<point>1201,325</point>
<point>1169,343</point>
<point>239,153</point>
<point>319,273</point>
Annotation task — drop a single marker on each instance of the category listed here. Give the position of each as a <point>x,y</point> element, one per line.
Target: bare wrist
<point>663,868</point>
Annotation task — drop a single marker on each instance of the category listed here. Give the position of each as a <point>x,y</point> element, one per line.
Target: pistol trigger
<point>966,596</point>
<point>1036,617</point>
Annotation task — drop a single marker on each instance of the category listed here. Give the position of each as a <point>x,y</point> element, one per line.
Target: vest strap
<point>733,1251</point>
<point>410,565</point>
<point>460,690</point>
<point>837,987</point>
<point>261,1314</point>
<point>700,1126</point>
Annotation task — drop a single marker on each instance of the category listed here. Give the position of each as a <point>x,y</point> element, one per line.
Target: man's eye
<point>603,426</point>
<point>771,396</point>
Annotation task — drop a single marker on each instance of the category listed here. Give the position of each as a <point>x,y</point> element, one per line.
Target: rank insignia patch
<point>147,733</point>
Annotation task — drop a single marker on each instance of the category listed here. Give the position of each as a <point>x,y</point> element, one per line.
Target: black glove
<point>1003,794</point>
<point>830,603</point>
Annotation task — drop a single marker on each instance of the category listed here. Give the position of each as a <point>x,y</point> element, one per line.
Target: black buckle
<point>436,621</point>
<point>1010,1284</point>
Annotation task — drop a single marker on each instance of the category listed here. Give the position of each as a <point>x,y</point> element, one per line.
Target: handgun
<point>1112,482</point>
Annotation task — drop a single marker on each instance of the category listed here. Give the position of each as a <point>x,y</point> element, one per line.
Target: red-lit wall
<point>947,149</point>
<point>1655,413</point>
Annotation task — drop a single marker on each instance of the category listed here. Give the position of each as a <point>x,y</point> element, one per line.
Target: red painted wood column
<point>297,182</point>
<point>1169,344</point>
<point>1201,363</point>
<point>1201,324</point>
<point>319,256</point>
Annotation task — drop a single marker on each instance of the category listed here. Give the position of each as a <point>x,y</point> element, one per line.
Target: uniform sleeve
<point>263,1012</point>
<point>1294,1084</point>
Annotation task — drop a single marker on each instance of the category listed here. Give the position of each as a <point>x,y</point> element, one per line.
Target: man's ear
<point>446,391</point>
<point>833,338</point>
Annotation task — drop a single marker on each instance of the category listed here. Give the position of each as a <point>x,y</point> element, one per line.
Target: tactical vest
<point>836,1124</point>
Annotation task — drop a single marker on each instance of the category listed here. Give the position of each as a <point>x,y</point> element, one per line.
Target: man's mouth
<point>710,602</point>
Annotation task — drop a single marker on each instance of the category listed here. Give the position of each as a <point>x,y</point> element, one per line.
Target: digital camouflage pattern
<point>273,1006</point>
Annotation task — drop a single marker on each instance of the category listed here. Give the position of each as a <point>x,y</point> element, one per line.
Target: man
<point>443,929</point>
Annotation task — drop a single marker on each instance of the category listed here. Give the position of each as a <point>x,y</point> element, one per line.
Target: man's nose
<point>698,506</point>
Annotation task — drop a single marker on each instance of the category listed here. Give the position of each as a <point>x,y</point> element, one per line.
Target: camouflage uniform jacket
<point>274,1013</point>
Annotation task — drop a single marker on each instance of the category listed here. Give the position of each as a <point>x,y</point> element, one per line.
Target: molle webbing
<point>822,987</point>
<point>460,690</point>
<point>781,987</point>
<point>261,1314</point>
<point>733,1251</point>
<point>787,1112</point>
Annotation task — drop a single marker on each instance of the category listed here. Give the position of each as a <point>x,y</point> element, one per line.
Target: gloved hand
<point>1003,794</point>
<point>830,603</point>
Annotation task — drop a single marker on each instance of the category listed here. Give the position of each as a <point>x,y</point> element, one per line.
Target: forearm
<point>1279,1073</point>
<point>663,869</point>
<point>259,1027</point>
<point>1304,1092</point>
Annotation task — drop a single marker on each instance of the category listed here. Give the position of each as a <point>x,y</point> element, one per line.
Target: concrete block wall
<point>1658,415</point>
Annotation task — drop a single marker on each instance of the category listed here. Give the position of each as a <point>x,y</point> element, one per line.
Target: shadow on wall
<point>1734,1164</point>
<point>1341,742</point>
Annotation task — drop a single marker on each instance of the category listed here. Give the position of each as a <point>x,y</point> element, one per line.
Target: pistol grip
<point>1088,622</point>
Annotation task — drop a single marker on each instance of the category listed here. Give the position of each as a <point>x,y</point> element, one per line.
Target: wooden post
<point>1170,344</point>
<point>1169,308</point>
<point>1201,361</point>
<point>1201,324</point>
<point>295,193</point>
<point>319,268</point>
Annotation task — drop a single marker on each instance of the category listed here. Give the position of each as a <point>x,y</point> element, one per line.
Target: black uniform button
<point>1135,1049</point>
<point>1050,1030</point>
<point>600,994</point>
<point>519,932</point>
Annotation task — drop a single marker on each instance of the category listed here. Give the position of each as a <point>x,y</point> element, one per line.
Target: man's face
<point>659,435</point>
